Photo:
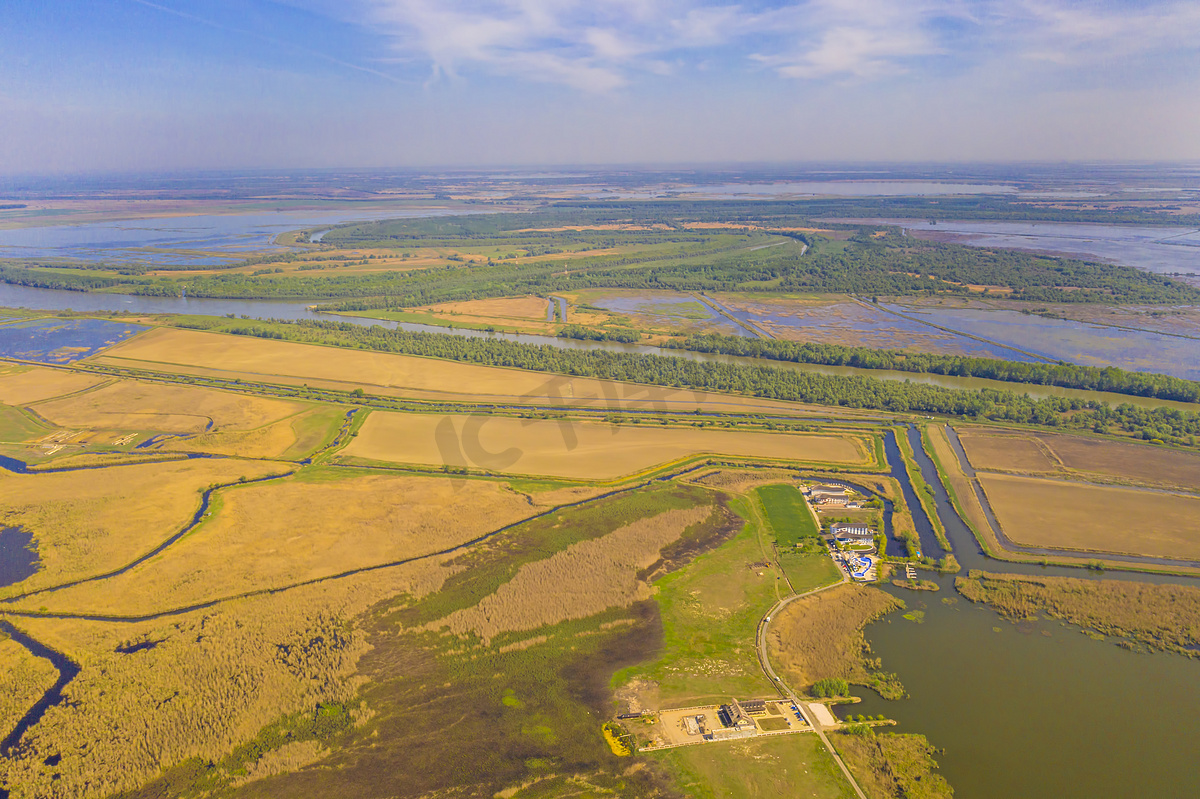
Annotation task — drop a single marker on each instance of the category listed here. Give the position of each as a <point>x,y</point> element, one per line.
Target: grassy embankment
<point>924,495</point>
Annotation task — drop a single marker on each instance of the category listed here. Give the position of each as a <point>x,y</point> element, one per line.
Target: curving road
<point>760,643</point>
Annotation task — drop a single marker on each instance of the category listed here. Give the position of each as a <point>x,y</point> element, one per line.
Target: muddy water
<point>1035,710</point>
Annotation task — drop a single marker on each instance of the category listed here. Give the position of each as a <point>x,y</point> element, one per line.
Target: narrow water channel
<point>1038,709</point>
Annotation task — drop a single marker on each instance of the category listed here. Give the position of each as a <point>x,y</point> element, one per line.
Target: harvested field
<point>1061,515</point>
<point>578,582</point>
<point>284,532</point>
<point>253,360</point>
<point>1161,617</point>
<point>820,636</point>
<point>1006,452</point>
<point>601,451</point>
<point>533,308</point>
<point>21,385</point>
<point>1144,463</point>
<point>137,405</point>
<point>23,680</point>
<point>87,522</point>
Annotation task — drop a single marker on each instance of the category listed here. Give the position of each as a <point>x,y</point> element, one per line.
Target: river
<point>1036,709</point>
<point>54,300</point>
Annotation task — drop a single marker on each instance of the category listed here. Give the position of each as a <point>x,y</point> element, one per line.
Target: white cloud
<point>1077,32</point>
<point>602,45</point>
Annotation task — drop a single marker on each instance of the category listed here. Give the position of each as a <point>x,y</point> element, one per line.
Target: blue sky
<point>168,84</point>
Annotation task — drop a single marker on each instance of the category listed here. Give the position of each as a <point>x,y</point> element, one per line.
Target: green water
<point>1035,710</point>
<point>1039,710</point>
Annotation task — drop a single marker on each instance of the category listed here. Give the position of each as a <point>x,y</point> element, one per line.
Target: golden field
<point>139,405</point>
<point>21,385</point>
<point>1007,452</point>
<point>87,522</point>
<point>252,359</point>
<point>1056,514</point>
<point>580,581</point>
<point>280,533</point>
<point>530,307</point>
<point>601,451</point>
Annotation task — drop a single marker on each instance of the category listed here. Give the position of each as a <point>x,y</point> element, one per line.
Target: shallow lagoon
<point>203,240</point>
<point>1067,340</point>
<point>61,340</point>
<point>1160,249</point>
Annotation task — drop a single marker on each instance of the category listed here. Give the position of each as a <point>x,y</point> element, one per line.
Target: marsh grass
<point>1161,617</point>
<point>891,766</point>
<point>820,636</point>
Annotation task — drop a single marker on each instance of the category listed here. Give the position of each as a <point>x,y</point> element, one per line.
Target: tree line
<point>1088,378</point>
<point>1168,425</point>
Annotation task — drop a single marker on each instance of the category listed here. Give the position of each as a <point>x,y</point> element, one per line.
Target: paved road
<point>761,644</point>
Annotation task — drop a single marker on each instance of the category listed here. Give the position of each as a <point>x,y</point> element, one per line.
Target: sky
<point>152,85</point>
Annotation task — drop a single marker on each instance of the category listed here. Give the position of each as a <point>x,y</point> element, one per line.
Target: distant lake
<point>1154,248</point>
<point>847,188</point>
<point>1068,340</point>
<point>203,240</point>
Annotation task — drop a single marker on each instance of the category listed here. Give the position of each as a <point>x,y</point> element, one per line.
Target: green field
<point>786,766</point>
<point>788,516</point>
<point>710,612</point>
<point>808,570</point>
<point>17,426</point>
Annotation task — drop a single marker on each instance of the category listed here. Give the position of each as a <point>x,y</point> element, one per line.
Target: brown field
<point>138,405</point>
<point>821,636</point>
<point>23,680</point>
<point>1006,452</point>
<point>281,533</point>
<point>580,581</point>
<point>20,385</point>
<point>1100,458</point>
<point>602,451</point>
<point>1127,461</point>
<point>253,359</point>
<point>534,308</point>
<point>740,481</point>
<point>88,522</point>
<point>1050,513</point>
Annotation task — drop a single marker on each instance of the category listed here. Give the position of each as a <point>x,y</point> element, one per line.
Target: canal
<point>1036,709</point>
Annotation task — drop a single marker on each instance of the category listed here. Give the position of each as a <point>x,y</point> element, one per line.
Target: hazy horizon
<point>136,85</point>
